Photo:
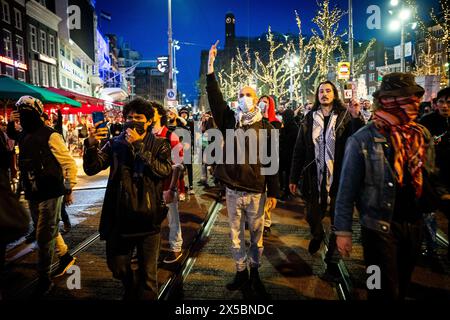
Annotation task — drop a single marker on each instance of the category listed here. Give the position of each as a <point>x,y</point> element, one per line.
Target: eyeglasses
<point>248,94</point>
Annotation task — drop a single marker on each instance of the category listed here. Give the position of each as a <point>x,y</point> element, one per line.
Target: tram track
<point>168,289</point>
<point>30,248</point>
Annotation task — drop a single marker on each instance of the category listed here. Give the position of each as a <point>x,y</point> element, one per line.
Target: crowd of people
<point>387,161</point>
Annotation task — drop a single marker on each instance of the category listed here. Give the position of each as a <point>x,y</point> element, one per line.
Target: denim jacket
<point>368,181</point>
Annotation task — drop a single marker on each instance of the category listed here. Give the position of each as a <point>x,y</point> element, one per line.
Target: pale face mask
<point>245,104</point>
<point>262,106</point>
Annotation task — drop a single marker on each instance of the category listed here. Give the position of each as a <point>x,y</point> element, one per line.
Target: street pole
<point>170,46</point>
<point>350,37</point>
<point>174,66</point>
<point>402,47</point>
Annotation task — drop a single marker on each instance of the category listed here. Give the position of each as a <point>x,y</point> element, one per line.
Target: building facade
<point>150,82</point>
<point>13,40</point>
<point>77,41</point>
<point>42,29</point>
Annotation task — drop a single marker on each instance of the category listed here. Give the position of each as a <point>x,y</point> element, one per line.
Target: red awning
<point>78,97</point>
<point>88,104</point>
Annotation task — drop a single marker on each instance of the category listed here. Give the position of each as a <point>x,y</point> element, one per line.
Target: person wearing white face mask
<point>245,184</point>
<point>267,106</point>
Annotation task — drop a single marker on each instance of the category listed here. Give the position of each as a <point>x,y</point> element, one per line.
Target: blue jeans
<point>47,215</point>
<point>241,207</point>
<point>175,236</point>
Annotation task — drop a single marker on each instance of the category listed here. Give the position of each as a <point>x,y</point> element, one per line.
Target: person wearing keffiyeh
<point>386,175</point>
<point>246,181</point>
<point>317,160</point>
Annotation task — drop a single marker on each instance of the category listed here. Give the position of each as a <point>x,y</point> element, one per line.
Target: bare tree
<point>327,40</point>
<point>272,75</point>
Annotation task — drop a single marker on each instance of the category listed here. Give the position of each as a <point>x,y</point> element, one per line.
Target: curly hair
<point>139,106</point>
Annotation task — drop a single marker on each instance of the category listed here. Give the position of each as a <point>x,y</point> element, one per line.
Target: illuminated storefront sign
<point>67,67</point>
<point>47,59</point>
<point>14,63</point>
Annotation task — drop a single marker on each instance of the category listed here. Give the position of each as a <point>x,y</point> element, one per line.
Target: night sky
<point>200,22</point>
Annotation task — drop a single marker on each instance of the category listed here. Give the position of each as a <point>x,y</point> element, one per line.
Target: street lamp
<point>403,15</point>
<point>175,47</point>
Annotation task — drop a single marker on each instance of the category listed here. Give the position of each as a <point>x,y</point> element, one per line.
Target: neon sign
<point>14,63</point>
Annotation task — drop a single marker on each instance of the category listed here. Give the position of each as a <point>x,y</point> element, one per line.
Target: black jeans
<point>315,212</point>
<point>119,252</point>
<point>395,253</point>
<point>190,174</point>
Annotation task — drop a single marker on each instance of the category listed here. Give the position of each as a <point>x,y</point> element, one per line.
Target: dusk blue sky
<point>200,22</point>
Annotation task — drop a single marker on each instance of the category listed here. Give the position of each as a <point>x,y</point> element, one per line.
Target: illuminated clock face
<point>228,20</point>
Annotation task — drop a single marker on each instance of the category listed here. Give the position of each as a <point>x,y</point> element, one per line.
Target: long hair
<point>337,103</point>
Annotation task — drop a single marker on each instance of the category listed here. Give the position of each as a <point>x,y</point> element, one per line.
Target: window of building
<point>372,65</point>
<point>35,72</point>
<point>9,71</point>
<point>18,19</point>
<point>438,58</point>
<point>371,76</point>
<point>44,70</point>
<point>69,83</point>
<point>20,50</point>
<point>33,38</point>
<point>51,46</point>
<point>43,40</point>
<point>7,44</point>
<point>53,78</point>
<point>68,54</point>
<point>5,9</point>
<point>62,50</point>
<point>63,82</point>
<point>77,62</point>
<point>371,53</point>
<point>21,75</point>
<point>408,68</point>
<point>372,90</point>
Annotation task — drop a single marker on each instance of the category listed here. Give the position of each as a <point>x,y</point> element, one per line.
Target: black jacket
<point>439,128</point>
<point>40,171</point>
<point>133,204</point>
<point>303,161</point>
<point>242,177</point>
<point>288,135</point>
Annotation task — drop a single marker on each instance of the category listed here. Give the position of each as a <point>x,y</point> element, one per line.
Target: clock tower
<point>230,33</point>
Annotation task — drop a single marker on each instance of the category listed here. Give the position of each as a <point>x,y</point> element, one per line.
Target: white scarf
<point>324,150</point>
<point>247,118</point>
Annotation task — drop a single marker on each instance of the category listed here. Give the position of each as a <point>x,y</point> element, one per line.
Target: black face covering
<point>137,125</point>
<point>30,121</point>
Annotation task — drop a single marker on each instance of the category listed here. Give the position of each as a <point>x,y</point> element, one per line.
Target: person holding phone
<point>317,161</point>
<point>134,207</point>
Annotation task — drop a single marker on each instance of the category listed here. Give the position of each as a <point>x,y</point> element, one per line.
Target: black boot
<point>240,279</point>
<point>332,273</point>
<point>256,284</point>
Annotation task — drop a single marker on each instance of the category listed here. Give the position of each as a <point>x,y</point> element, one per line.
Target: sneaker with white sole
<point>173,257</point>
